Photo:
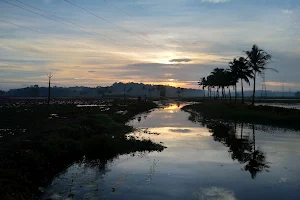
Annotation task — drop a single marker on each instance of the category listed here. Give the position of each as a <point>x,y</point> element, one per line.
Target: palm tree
<point>210,84</point>
<point>230,80</point>
<point>258,59</point>
<point>243,73</point>
<point>217,76</point>
<point>203,83</point>
<point>234,73</point>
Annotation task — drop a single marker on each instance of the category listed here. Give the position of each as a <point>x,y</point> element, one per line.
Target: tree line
<point>240,70</point>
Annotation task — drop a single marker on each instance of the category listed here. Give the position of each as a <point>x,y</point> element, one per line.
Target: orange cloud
<point>278,84</point>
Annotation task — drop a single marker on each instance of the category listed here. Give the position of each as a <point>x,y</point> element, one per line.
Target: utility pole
<point>282,89</point>
<point>263,85</point>
<point>124,92</point>
<point>49,87</point>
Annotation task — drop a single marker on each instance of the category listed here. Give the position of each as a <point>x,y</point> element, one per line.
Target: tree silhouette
<point>203,82</point>
<point>257,61</point>
<point>241,70</point>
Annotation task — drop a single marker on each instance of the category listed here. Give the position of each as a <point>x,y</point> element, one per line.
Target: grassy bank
<point>38,141</point>
<point>247,100</point>
<point>265,115</point>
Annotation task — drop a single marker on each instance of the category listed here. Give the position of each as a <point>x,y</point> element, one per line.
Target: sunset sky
<point>171,42</point>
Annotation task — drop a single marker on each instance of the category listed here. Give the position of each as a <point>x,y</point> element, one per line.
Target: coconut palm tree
<point>244,73</point>
<point>233,65</point>
<point>210,84</point>
<point>258,59</point>
<point>218,79</point>
<point>203,82</point>
<point>230,81</point>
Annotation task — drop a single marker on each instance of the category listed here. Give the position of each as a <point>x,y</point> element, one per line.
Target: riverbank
<point>239,100</point>
<point>37,142</point>
<point>264,115</point>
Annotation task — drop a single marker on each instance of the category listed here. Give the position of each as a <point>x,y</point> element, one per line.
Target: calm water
<point>203,161</point>
<point>283,105</point>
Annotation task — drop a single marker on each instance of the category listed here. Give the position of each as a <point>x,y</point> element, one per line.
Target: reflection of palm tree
<point>240,148</point>
<point>257,163</point>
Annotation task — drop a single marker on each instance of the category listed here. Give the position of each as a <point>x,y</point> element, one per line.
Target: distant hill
<point>130,89</point>
<point>117,89</point>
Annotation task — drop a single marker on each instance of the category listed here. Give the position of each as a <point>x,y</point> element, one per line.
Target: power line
<point>43,15</point>
<point>114,5</point>
<point>89,31</point>
<point>124,29</point>
<point>66,24</point>
<point>74,25</point>
<point>40,32</point>
<point>122,10</point>
<point>52,20</point>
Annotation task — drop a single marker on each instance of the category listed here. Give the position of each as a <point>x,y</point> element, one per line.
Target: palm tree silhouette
<point>203,82</point>
<point>233,77</point>
<point>218,79</point>
<point>257,61</point>
<point>241,71</point>
<point>257,163</point>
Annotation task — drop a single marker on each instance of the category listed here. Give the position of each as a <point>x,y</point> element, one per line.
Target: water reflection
<point>215,193</point>
<point>203,160</point>
<point>242,148</point>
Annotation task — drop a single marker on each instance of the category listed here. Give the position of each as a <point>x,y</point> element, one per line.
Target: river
<point>203,161</point>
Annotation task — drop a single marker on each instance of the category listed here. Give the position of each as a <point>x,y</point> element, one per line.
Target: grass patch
<point>37,141</point>
<point>265,115</point>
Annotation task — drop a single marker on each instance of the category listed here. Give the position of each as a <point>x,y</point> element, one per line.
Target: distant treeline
<point>117,89</point>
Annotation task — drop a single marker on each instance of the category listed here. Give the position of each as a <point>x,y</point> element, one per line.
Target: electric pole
<point>49,87</point>
<point>282,89</point>
<point>263,85</point>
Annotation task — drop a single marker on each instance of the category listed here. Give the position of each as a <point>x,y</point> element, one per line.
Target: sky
<point>173,42</point>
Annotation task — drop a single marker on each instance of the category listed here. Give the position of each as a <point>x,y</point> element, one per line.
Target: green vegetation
<point>242,69</point>
<point>265,115</point>
<point>38,141</point>
<point>247,100</point>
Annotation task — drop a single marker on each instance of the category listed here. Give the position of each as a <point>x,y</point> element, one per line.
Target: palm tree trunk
<point>243,101</point>
<point>235,93</point>
<point>253,96</point>
<point>229,93</point>
<point>234,126</point>
<point>253,133</point>
<point>222,89</point>
<point>242,127</point>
